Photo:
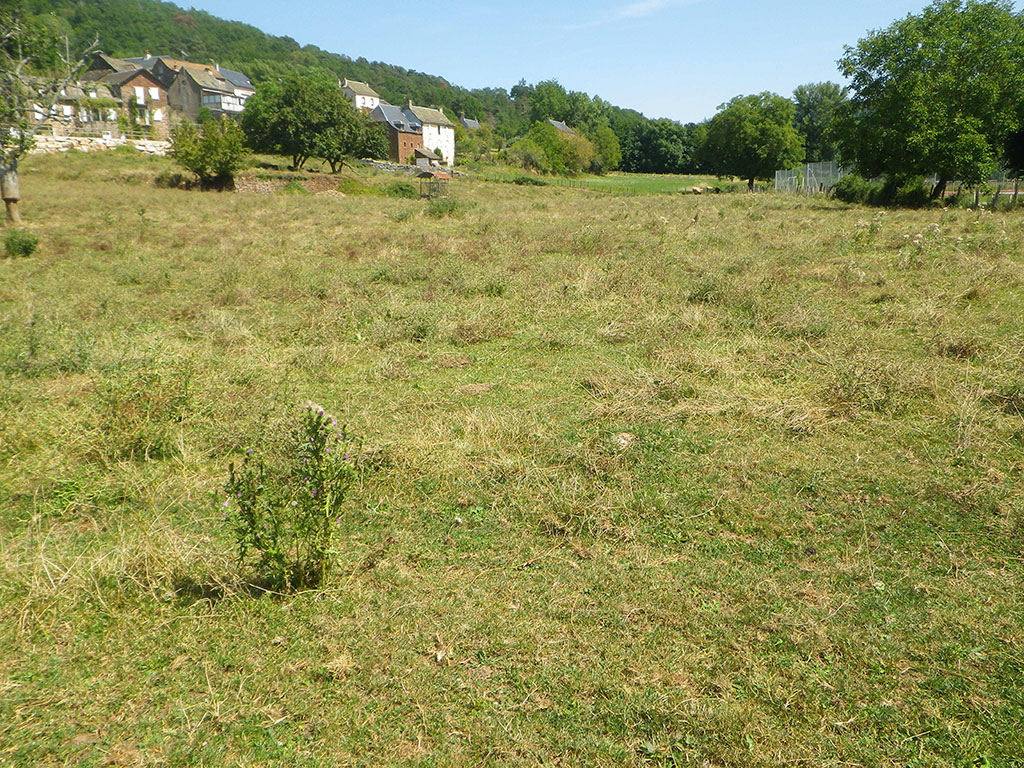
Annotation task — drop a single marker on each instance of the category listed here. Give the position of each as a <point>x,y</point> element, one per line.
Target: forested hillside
<point>131,27</point>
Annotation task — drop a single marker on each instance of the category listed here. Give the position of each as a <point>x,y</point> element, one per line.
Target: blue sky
<point>666,58</point>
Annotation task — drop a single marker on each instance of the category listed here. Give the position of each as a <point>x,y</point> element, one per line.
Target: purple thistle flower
<point>226,502</point>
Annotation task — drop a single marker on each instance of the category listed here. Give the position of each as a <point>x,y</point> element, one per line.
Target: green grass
<point>655,481</point>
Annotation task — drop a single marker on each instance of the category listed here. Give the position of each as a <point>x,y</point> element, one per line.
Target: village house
<point>195,88</point>
<point>560,126</point>
<point>469,124</point>
<point>362,96</point>
<point>80,107</point>
<point>438,131</point>
<point>405,132</point>
<point>191,86</point>
<point>143,99</point>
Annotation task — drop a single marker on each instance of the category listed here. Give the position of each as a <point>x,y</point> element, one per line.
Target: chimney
<point>216,66</point>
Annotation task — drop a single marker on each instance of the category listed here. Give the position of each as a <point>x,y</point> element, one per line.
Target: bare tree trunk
<point>11,194</point>
<point>13,214</point>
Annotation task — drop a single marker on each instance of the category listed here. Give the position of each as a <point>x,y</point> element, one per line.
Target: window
<point>68,110</point>
<point>154,94</point>
<point>158,115</point>
<point>140,94</point>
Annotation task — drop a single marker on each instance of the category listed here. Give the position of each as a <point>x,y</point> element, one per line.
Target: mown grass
<point>711,481</point>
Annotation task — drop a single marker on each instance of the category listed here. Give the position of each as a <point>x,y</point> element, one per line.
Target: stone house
<point>144,100</point>
<point>405,132</point>
<point>362,96</point>
<point>191,86</point>
<point>438,131</point>
<point>82,107</point>
<point>194,88</point>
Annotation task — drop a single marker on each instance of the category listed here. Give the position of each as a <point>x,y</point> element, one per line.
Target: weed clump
<point>294,187</point>
<point>20,243</point>
<point>284,513</point>
<point>440,207</point>
<point>402,189</point>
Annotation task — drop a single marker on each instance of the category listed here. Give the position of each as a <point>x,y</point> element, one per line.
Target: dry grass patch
<point>717,481</point>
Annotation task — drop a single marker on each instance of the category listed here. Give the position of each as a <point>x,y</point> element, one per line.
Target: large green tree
<point>752,137</point>
<point>815,109</point>
<point>306,116</point>
<point>935,93</point>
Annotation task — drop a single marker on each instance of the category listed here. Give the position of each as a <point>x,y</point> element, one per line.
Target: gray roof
<point>470,123</point>
<point>237,79</point>
<point>399,119</point>
<point>561,126</point>
<point>430,116</point>
<point>144,61</point>
<point>358,88</point>
<point>207,79</point>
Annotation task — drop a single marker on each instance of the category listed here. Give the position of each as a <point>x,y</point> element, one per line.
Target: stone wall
<point>46,145</point>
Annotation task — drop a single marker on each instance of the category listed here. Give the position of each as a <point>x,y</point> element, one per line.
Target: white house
<point>438,131</point>
<point>361,95</point>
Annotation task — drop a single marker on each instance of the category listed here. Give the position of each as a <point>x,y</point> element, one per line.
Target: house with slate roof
<point>560,126</point>
<point>438,131</point>
<point>143,99</point>
<point>362,96</point>
<point>79,106</point>
<point>191,86</point>
<point>405,132</point>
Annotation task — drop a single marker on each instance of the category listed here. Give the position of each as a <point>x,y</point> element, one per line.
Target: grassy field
<point>729,480</point>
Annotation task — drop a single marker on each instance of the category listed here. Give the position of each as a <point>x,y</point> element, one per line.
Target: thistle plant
<point>284,516</point>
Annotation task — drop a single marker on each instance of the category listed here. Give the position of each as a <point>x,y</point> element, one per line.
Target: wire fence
<point>820,178</point>
<point>810,179</point>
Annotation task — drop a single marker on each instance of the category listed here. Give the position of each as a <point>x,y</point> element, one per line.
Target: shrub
<point>528,181</point>
<point>401,189</point>
<point>20,242</point>
<point>214,153</point>
<point>284,515</point>
<point>853,188</point>
<point>904,192</point>
<point>294,187</point>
